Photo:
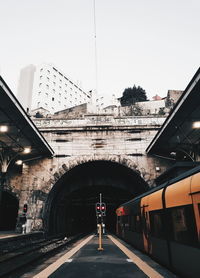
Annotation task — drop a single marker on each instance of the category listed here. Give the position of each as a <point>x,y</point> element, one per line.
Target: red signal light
<point>98,208</point>
<point>25,208</point>
<point>103,209</point>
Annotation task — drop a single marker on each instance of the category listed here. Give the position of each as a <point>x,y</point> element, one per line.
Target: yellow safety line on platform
<point>149,271</point>
<point>50,269</point>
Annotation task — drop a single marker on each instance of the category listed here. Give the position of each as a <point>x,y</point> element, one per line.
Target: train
<point>165,223</point>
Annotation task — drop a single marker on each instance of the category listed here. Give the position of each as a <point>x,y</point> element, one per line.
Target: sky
<point>154,44</point>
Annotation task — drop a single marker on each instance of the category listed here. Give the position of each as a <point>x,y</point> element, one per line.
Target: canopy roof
<point>21,131</point>
<point>177,134</point>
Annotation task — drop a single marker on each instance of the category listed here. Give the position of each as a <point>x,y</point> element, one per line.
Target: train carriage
<point>165,223</point>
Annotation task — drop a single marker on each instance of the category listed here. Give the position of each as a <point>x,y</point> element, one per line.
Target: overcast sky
<point>151,43</point>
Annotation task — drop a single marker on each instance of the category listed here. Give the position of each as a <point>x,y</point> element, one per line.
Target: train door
<point>195,193</point>
<point>145,224</point>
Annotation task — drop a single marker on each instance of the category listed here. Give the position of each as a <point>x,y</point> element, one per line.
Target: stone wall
<point>78,141</point>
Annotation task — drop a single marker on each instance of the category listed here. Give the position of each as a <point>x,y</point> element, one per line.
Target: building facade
<point>25,86</point>
<point>51,90</point>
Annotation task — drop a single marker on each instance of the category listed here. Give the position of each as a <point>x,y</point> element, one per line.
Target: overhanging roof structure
<point>177,133</point>
<point>21,130</point>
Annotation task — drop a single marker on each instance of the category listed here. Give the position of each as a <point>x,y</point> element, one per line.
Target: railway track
<point>13,261</point>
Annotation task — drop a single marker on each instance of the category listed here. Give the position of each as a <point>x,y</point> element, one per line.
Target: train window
<point>135,223</point>
<point>184,227</point>
<point>126,221</point>
<point>156,224</point>
<point>138,226</point>
<point>132,223</point>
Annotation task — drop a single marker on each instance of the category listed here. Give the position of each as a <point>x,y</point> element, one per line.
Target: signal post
<point>100,213</point>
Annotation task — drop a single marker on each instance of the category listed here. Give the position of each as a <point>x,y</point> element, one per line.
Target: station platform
<point>7,234</point>
<point>116,260</point>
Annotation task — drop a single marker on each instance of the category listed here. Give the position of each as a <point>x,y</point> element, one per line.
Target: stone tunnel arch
<point>70,206</point>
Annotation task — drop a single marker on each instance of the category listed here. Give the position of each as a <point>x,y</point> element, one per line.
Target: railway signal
<point>98,209</point>
<point>25,208</point>
<point>103,209</point>
<point>100,212</point>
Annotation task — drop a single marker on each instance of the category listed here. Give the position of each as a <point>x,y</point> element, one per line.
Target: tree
<point>132,95</point>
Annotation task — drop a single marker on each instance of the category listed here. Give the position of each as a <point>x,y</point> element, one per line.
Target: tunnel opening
<point>8,211</point>
<point>70,208</point>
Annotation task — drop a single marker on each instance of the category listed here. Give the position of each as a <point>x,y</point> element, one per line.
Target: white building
<point>102,102</point>
<point>51,89</point>
<point>25,86</point>
<point>151,107</point>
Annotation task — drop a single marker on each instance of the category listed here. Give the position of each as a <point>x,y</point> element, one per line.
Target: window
<point>183,225</point>
<point>156,224</point>
<point>40,77</point>
<point>48,71</point>
<point>61,140</point>
<point>41,69</point>
<point>135,223</point>
<point>40,84</point>
<point>126,221</point>
<point>52,98</point>
<point>47,86</point>
<point>54,83</point>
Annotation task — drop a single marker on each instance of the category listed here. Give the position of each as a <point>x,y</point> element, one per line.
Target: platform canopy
<point>19,137</point>
<point>179,136</point>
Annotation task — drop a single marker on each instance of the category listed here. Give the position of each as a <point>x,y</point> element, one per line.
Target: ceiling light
<point>27,150</point>
<point>19,162</point>
<point>3,128</point>
<point>196,124</point>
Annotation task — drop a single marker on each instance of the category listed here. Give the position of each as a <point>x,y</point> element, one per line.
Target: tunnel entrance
<point>70,208</point>
<point>8,211</point>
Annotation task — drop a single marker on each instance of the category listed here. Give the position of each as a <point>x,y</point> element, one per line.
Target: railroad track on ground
<point>13,261</point>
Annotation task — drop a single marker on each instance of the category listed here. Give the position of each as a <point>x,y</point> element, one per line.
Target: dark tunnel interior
<point>8,211</point>
<point>70,208</point>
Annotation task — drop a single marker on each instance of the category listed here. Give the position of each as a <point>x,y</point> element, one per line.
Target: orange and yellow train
<point>165,223</point>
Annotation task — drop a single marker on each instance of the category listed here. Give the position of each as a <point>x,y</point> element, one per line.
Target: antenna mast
<point>95,46</point>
